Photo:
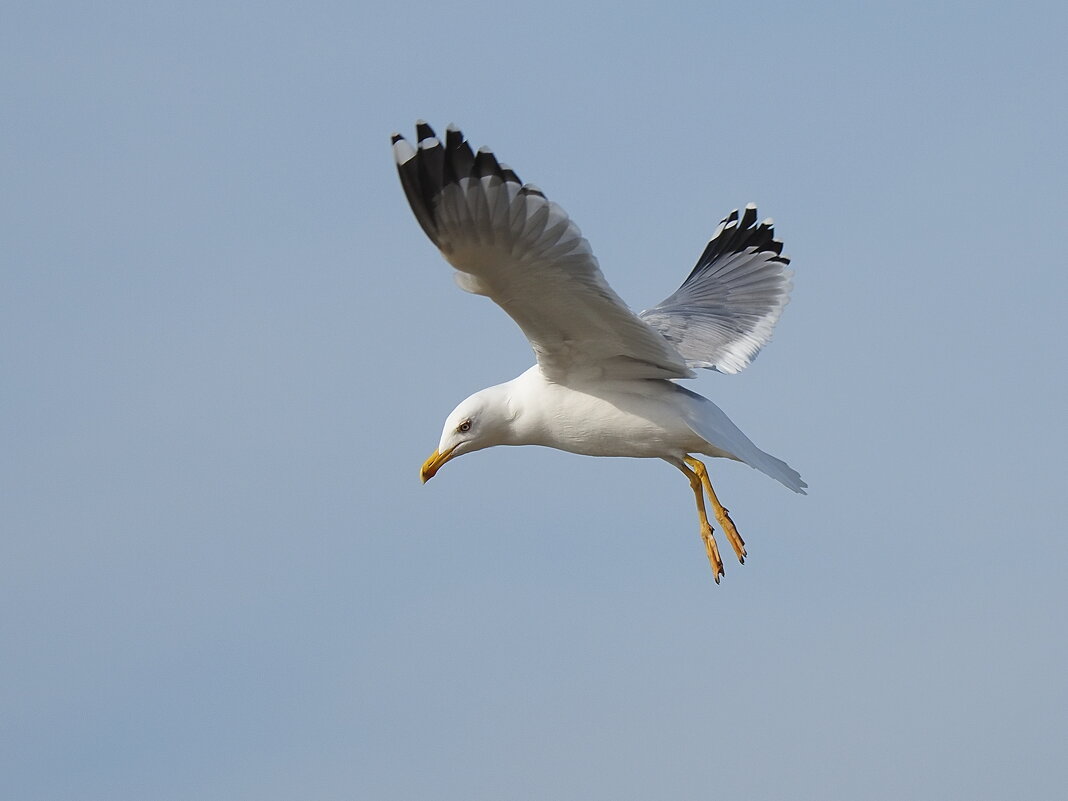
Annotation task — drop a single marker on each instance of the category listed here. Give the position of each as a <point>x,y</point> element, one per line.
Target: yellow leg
<point>719,509</point>
<point>706,528</point>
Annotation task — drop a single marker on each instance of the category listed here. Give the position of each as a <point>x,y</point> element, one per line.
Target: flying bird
<point>604,383</point>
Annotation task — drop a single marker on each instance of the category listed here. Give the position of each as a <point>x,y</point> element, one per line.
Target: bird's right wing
<point>724,312</point>
<point>508,242</point>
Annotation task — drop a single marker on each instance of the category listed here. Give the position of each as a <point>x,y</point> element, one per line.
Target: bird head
<point>481,421</point>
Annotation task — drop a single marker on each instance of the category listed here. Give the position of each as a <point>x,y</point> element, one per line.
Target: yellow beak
<point>434,463</point>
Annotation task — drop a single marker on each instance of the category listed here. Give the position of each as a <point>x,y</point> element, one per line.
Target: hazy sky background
<point>226,347</point>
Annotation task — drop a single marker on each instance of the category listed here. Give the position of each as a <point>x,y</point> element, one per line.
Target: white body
<point>643,418</point>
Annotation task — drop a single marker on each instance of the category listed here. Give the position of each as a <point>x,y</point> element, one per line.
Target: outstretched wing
<point>510,243</point>
<point>724,312</point>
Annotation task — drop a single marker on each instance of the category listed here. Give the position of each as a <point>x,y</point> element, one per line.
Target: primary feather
<point>725,310</point>
<point>510,243</point>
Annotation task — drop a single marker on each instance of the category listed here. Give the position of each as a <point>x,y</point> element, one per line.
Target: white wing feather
<point>725,310</point>
<point>511,244</point>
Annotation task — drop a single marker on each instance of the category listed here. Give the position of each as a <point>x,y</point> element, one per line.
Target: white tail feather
<point>711,423</point>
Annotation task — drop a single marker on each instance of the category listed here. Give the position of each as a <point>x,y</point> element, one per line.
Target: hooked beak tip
<point>433,464</point>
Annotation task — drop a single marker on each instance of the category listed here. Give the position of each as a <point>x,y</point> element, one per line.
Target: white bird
<point>604,381</point>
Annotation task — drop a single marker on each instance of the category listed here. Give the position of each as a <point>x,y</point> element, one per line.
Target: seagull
<point>604,381</point>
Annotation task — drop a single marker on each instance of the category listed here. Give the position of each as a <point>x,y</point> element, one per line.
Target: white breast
<point>638,418</point>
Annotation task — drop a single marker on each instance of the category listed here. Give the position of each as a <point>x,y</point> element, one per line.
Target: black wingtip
<point>508,174</point>
<point>737,232</point>
<point>531,189</point>
<point>458,153</point>
<point>424,131</point>
<point>486,163</point>
<point>733,232</point>
<point>749,216</point>
<point>763,236</point>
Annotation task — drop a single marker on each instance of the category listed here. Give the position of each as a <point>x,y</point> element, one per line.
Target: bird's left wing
<point>510,243</point>
<point>724,312</point>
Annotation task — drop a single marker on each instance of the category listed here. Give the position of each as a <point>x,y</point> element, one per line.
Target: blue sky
<point>226,347</point>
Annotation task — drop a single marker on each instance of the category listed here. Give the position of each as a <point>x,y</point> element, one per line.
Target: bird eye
<point>464,427</point>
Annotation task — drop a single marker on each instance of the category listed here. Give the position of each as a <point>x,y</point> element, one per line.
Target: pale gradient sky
<point>226,347</point>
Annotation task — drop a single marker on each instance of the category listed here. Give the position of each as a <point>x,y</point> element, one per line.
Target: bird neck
<point>521,403</point>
